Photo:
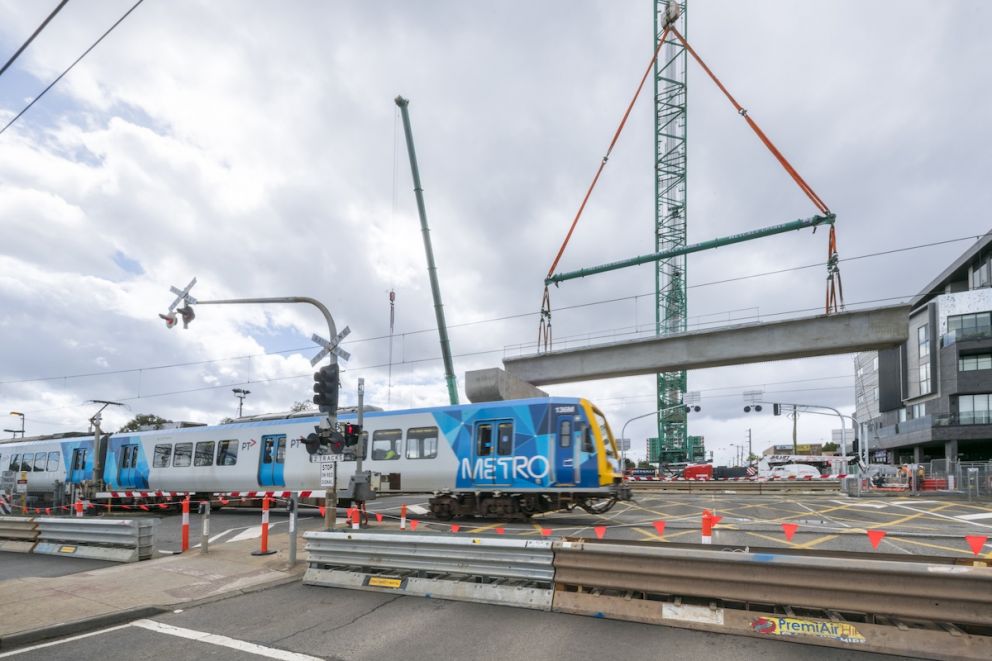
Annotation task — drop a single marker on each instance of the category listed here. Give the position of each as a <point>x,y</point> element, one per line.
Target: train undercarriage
<point>501,505</point>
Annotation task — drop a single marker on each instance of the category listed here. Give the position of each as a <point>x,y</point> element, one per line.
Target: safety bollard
<point>292,529</point>
<point>707,537</point>
<point>185,542</point>
<point>205,532</point>
<point>264,550</point>
<point>78,507</point>
<point>403,517</point>
<point>355,517</point>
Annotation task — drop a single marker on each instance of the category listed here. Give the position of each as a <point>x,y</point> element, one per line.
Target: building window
<point>970,325</point>
<point>974,409</point>
<point>924,378</point>
<point>923,340</point>
<point>981,275</point>
<point>919,410</point>
<point>875,394</point>
<point>874,364</point>
<point>980,361</point>
<point>903,415</point>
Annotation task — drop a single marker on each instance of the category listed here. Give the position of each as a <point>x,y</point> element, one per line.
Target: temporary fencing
<point>895,604</point>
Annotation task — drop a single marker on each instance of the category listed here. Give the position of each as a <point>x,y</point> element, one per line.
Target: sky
<point>257,147</point>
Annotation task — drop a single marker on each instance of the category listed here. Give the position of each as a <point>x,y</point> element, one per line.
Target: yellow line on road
<point>489,527</point>
<point>915,516</point>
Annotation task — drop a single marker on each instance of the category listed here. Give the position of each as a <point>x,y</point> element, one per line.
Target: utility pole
<point>749,452</point>
<point>14,432</point>
<point>98,450</point>
<point>795,422</point>
<point>241,393</point>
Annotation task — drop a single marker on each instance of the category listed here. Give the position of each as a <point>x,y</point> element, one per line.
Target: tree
<point>143,421</point>
<point>628,463</point>
<point>830,447</point>
<point>302,405</point>
<point>644,464</point>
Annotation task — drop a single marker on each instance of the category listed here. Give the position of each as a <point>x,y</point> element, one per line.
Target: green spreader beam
<point>802,223</point>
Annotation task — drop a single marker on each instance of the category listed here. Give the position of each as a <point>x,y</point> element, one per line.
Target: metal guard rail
<point>125,540</point>
<point>17,534</point>
<point>488,556</point>
<point>913,590</point>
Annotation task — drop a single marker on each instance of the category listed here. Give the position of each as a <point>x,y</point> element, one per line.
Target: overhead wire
<point>33,35</point>
<point>508,317</point>
<point>70,67</point>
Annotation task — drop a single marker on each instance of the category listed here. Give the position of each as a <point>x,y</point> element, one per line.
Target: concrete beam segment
<point>495,385</point>
<point>846,332</point>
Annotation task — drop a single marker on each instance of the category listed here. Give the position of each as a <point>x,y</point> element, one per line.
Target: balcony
<point>966,334</point>
<point>960,419</point>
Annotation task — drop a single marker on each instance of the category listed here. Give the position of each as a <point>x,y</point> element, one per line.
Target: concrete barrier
<point>117,540</point>
<point>18,534</point>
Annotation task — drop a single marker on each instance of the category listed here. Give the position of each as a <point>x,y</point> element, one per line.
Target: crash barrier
<point>118,540</point>
<point>481,569</point>
<point>898,605</point>
<point>18,534</point>
<point>738,486</point>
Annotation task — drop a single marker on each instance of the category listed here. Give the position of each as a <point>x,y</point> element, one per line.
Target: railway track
<point>714,486</point>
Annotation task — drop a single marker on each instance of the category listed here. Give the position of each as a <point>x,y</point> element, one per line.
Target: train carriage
<point>489,459</point>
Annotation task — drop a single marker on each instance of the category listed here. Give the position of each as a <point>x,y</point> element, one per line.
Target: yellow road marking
<point>916,515</point>
<point>816,542</point>
<point>668,535</point>
<point>489,527</point>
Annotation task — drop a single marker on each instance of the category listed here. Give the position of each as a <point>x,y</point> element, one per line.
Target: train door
<point>77,468</point>
<point>127,473</point>
<point>566,450</point>
<point>272,460</point>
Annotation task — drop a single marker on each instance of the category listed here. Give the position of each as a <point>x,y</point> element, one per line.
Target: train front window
<point>40,460</point>
<point>53,461</point>
<point>604,432</point>
<point>484,440</point>
<point>15,462</point>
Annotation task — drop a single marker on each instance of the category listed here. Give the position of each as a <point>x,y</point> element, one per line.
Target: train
<point>493,459</point>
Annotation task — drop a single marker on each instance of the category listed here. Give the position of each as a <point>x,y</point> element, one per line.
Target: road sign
<point>330,346</point>
<point>623,444</point>
<point>182,295</point>
<point>327,474</point>
<point>22,486</point>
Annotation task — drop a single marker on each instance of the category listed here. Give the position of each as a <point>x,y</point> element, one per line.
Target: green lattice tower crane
<point>670,212</point>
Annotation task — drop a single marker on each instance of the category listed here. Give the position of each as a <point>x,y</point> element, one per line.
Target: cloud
<point>259,149</point>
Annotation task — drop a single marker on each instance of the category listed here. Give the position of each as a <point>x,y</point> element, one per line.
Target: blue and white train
<point>504,459</point>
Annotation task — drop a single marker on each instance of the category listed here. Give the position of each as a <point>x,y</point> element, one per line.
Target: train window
<point>350,453</point>
<point>162,455</point>
<point>387,444</point>
<point>182,455</point>
<point>565,434</point>
<point>227,453</point>
<point>15,462</point>
<point>53,461</point>
<point>26,461</point>
<point>134,455</point>
<point>204,454</point>
<point>504,442</point>
<point>484,440</point>
<point>421,443</point>
<point>40,460</point>
<point>79,459</point>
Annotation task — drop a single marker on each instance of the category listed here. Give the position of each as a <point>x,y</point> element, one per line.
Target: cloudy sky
<point>256,146</point>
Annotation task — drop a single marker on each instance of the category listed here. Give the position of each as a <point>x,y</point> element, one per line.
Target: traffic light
<point>186,312</point>
<point>352,433</point>
<point>170,319</point>
<point>777,409</point>
<point>325,388</point>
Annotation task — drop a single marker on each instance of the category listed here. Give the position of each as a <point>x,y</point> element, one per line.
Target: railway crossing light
<point>312,443</point>
<point>352,432</point>
<point>325,387</point>
<point>186,312</point>
<point>754,407</point>
<point>777,409</point>
<point>170,319</point>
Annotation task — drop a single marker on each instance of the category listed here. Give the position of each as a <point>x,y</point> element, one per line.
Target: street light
<point>240,393</point>
<point>689,408</point>
<point>14,432</point>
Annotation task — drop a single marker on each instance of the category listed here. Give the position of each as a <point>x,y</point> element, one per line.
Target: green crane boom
<point>449,370</point>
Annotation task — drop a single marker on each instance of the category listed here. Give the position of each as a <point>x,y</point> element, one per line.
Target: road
<point>298,623</point>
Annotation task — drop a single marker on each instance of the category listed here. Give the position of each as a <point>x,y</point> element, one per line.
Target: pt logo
<point>246,445</point>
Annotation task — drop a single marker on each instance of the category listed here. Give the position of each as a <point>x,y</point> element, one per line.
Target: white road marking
<point>974,517</point>
<point>943,516</point>
<point>249,533</point>
<point>40,646</point>
<point>223,641</point>
<point>417,509</point>
<point>877,506</point>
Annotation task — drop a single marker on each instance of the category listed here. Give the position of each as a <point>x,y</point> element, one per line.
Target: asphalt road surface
<point>299,623</point>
